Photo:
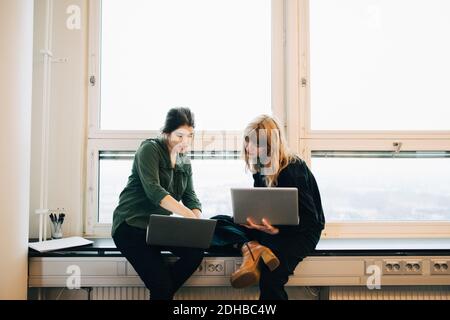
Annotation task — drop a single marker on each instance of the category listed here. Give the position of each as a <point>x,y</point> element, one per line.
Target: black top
<point>297,175</point>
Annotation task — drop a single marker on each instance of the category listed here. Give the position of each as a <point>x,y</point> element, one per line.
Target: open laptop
<point>278,205</point>
<point>180,232</point>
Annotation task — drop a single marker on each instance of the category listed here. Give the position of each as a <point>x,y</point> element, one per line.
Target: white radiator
<point>228,293</point>
<point>188,293</point>
<point>390,293</point>
<point>119,293</point>
<point>197,293</point>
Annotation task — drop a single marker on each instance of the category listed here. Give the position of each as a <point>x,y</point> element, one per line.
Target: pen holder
<point>56,230</point>
<point>56,221</point>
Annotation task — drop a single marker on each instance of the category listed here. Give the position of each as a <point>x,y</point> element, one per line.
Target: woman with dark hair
<point>161,176</point>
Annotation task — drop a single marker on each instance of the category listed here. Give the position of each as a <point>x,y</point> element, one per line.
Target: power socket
<point>214,267</point>
<point>412,267</point>
<point>402,267</point>
<point>439,267</point>
<point>392,267</point>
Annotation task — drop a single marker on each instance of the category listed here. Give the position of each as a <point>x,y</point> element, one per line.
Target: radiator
<point>119,293</point>
<point>188,293</point>
<point>228,293</point>
<point>196,293</point>
<point>390,293</point>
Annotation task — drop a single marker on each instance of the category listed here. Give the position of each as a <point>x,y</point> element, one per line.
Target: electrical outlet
<point>214,267</point>
<point>439,267</point>
<point>392,267</point>
<point>412,267</point>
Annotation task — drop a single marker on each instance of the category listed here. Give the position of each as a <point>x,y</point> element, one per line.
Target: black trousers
<point>161,279</point>
<point>290,249</point>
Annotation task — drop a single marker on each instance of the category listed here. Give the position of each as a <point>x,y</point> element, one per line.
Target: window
<point>358,85</point>
<point>383,65</point>
<point>371,186</point>
<point>211,55</point>
<point>374,108</point>
<point>213,177</point>
<point>114,169</point>
<point>217,57</point>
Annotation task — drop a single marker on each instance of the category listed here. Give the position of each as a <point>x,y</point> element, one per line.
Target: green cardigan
<point>152,178</point>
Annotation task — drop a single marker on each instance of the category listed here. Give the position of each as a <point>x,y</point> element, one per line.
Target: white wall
<point>16,44</point>
<point>68,116</point>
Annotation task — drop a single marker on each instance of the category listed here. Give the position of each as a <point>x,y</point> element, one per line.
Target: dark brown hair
<point>177,117</point>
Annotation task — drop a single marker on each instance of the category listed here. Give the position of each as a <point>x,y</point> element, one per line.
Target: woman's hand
<point>197,213</point>
<point>191,214</point>
<point>194,213</point>
<point>265,227</point>
<point>172,205</point>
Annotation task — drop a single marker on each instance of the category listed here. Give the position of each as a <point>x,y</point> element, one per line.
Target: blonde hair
<point>268,129</point>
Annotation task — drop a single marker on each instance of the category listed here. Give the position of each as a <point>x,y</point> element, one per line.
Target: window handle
<point>304,82</point>
<point>397,146</point>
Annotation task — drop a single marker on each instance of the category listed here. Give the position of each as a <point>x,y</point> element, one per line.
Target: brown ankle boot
<point>248,274</point>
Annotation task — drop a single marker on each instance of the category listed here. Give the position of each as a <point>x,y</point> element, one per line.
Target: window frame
<point>308,133</point>
<point>99,140</point>
<point>278,73</point>
<point>290,103</point>
<point>357,140</point>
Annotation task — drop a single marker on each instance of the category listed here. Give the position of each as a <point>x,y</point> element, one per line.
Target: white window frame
<point>290,103</point>
<point>127,140</point>
<point>330,140</point>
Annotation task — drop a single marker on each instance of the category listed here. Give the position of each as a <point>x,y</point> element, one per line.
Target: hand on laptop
<point>264,227</point>
<point>188,213</point>
<point>198,213</point>
<point>193,214</point>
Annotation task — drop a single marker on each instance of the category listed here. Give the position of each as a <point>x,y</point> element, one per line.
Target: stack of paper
<point>57,244</point>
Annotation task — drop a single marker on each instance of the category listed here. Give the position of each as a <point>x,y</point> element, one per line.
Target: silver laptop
<point>180,232</point>
<point>278,205</point>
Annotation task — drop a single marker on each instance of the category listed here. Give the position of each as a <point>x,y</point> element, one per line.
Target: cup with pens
<point>56,224</point>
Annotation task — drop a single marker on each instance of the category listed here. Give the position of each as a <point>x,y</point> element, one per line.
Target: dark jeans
<point>290,248</point>
<point>162,280</point>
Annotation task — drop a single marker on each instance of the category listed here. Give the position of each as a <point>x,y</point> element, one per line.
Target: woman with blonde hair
<point>271,253</point>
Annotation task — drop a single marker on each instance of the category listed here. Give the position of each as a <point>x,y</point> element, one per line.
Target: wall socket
<point>402,267</point>
<point>438,267</point>
<point>214,267</point>
<point>412,267</point>
<point>392,267</point>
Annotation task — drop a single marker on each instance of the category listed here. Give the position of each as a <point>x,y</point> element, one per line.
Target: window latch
<point>304,82</point>
<point>397,146</point>
<point>92,80</point>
